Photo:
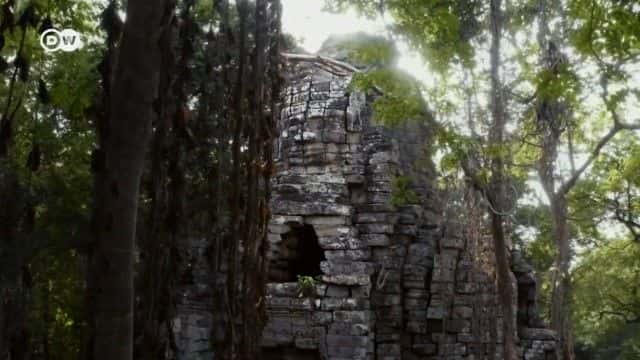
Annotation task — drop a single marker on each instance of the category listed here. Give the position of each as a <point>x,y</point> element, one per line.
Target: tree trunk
<point>214,112</point>
<point>497,189</point>
<point>14,334</point>
<point>252,277</point>
<point>236,218</point>
<point>561,287</point>
<point>550,115</point>
<point>46,317</point>
<point>154,283</point>
<point>134,89</point>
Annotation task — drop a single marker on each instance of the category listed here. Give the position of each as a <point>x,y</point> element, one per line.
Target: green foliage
<point>441,31</point>
<point>52,129</point>
<point>610,192</point>
<point>307,285</point>
<point>562,84</point>
<point>58,302</point>
<point>401,192</point>
<point>606,28</point>
<point>367,8</point>
<point>398,96</point>
<point>400,99</point>
<point>607,295</point>
<point>370,51</point>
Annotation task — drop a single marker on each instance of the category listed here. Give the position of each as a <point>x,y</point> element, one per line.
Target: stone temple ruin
<point>390,282</point>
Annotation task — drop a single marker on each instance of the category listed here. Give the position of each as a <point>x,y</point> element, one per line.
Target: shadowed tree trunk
<point>120,162</point>
<point>155,282</point>
<point>17,217</point>
<point>251,311</point>
<point>259,138</point>
<point>236,219</point>
<point>497,187</point>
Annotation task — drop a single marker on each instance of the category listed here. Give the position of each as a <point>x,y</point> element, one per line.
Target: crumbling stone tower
<point>392,281</point>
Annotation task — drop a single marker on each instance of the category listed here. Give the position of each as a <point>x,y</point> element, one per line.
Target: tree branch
<point>572,159</point>
<point>618,125</point>
<point>568,185</point>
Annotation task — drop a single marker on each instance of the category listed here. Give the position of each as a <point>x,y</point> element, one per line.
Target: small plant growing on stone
<point>307,285</point>
<point>401,193</point>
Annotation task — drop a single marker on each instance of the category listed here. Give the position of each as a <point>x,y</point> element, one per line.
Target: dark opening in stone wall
<point>298,254</point>
<point>526,300</point>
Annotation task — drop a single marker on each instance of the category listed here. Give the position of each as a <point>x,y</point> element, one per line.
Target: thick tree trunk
<point>133,91</point>
<point>14,335</point>
<point>561,287</point>
<point>236,219</point>
<point>153,282</point>
<point>497,189</point>
<point>251,284</point>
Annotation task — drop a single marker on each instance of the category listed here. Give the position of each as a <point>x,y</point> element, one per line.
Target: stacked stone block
<point>320,172</point>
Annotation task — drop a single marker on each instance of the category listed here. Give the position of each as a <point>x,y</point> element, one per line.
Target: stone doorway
<point>297,254</point>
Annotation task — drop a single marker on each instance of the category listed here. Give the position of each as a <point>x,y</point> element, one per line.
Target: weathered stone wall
<point>393,282</point>
<point>397,282</point>
<point>320,181</point>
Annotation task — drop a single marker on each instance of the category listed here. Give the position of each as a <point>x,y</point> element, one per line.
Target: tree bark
<point>132,94</point>
<point>561,310</point>
<point>154,281</point>
<point>251,284</point>
<point>236,219</point>
<point>14,335</point>
<point>497,188</point>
